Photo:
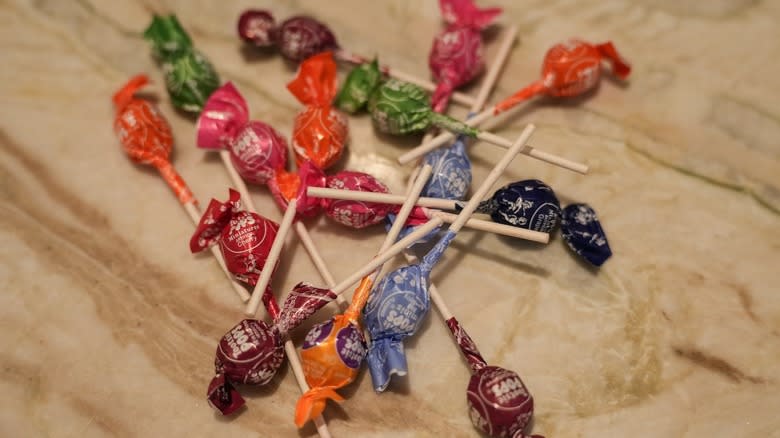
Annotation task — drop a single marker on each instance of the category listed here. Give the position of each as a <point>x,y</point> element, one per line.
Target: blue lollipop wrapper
<point>529,204</point>
<point>395,311</point>
<point>451,174</point>
<point>582,232</point>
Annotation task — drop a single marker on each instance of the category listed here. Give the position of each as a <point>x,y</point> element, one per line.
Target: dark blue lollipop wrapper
<point>529,204</point>
<point>582,232</point>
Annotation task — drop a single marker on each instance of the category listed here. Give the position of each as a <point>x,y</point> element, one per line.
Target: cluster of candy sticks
<point>253,350</point>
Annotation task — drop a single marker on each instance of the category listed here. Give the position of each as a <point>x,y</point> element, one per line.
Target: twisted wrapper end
<point>386,358</point>
<point>312,404</point>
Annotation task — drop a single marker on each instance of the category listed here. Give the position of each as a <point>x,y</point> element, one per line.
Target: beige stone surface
<point>109,324</point>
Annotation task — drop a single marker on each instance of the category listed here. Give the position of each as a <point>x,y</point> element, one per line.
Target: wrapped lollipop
<point>244,238</point>
<point>320,131</point>
<point>189,76</point>
<point>301,37</point>
<point>529,204</point>
<point>402,108</point>
<point>147,139</point>
<point>569,70</point>
<point>252,351</point>
<point>334,350</point>
<point>500,405</point>
<point>582,232</point>
<point>400,302</point>
<point>456,55</point>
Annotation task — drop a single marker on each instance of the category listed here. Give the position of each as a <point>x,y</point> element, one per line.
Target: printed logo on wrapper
<point>350,346</point>
<point>317,334</point>
<point>499,403</point>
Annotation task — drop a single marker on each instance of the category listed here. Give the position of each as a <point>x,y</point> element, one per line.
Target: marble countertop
<point>109,324</point>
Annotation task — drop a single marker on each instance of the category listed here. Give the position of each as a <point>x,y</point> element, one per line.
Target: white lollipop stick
<point>495,68</point>
<point>530,151</point>
<point>458,97</point>
<point>391,252</point>
<point>195,214</point>
<point>492,227</point>
<point>403,213</point>
<point>492,177</point>
<point>273,256</point>
<point>379,198</point>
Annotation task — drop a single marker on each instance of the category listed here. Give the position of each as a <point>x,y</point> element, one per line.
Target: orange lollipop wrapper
<point>320,131</point>
<point>146,136</point>
<point>332,354</point>
<point>570,69</point>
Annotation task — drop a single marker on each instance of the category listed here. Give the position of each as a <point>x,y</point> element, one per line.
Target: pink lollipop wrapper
<point>256,149</point>
<point>456,57</point>
<point>356,214</point>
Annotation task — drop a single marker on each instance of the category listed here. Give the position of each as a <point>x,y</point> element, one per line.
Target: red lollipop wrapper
<point>256,149</point>
<point>456,57</point>
<point>320,130</point>
<point>356,214</point>
<point>252,351</point>
<point>244,238</point>
<point>146,136</point>
<point>288,185</point>
<point>297,38</point>
<point>570,69</point>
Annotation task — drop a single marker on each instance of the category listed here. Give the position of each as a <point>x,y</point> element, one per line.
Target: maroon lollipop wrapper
<point>244,238</point>
<point>301,303</point>
<point>356,214</point>
<point>499,403</point>
<point>250,353</point>
<point>223,396</point>
<point>467,346</point>
<point>297,38</point>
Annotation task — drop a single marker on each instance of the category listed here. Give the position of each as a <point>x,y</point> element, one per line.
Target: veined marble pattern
<point>109,324</point>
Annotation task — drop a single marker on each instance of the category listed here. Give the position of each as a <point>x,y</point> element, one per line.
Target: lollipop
<point>334,350</point>
<point>569,70</point>
<point>320,131</point>
<point>252,351</point>
<point>355,214</point>
<point>456,55</point>
<point>402,108</point>
<point>256,150</point>
<point>244,238</point>
<point>582,232</point>
<point>301,37</point>
<point>400,302</point>
<point>146,138</point>
<point>189,76</point>
<point>529,204</point>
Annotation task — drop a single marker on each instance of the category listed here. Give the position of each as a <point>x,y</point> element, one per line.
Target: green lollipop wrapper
<point>402,108</point>
<point>358,86</point>
<point>189,76</point>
